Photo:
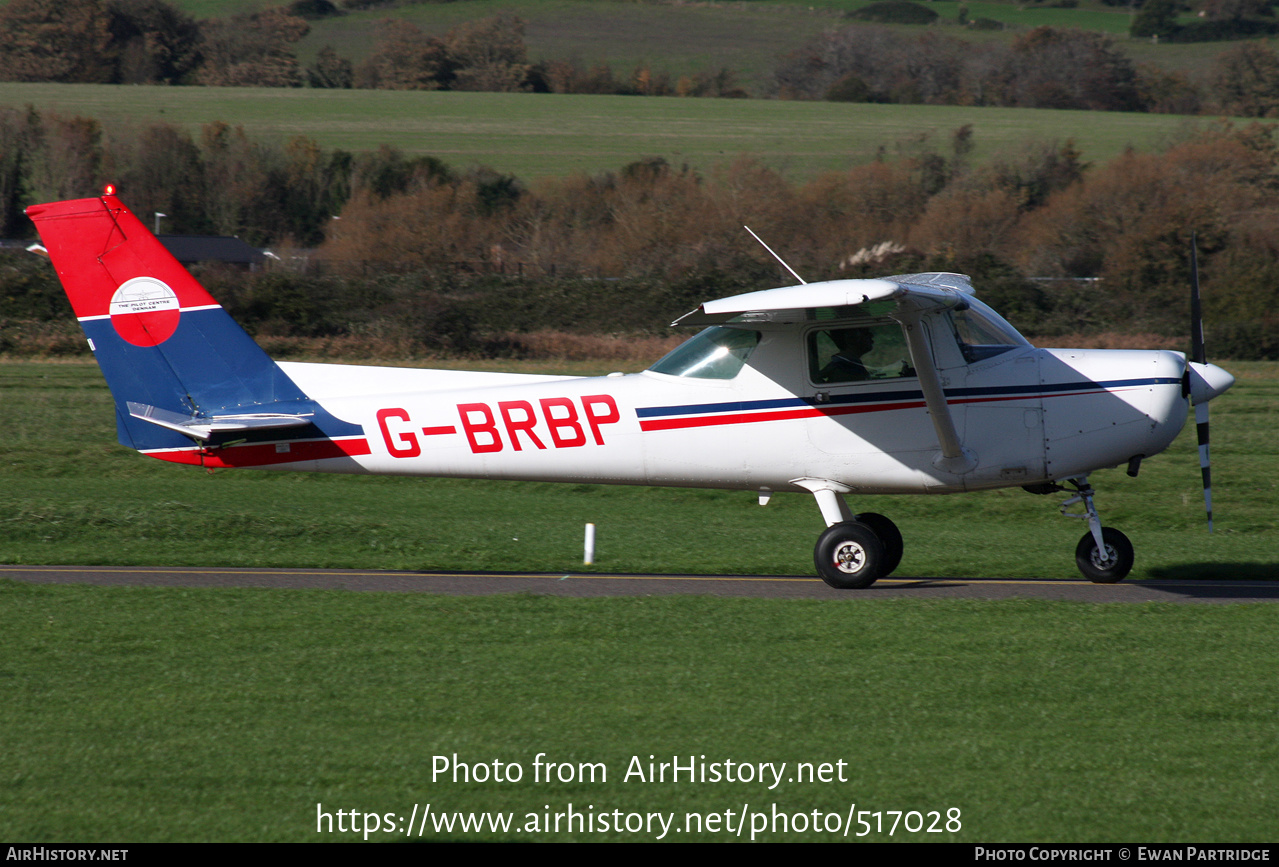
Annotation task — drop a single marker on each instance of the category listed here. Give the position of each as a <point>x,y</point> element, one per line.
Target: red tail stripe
<point>265,454</point>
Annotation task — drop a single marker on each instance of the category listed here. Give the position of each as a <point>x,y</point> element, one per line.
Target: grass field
<point>682,38</point>
<point>746,37</point>
<point>677,39</point>
<point>137,714</point>
<point>552,135</point>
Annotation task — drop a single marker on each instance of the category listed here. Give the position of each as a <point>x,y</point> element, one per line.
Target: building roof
<point>211,248</point>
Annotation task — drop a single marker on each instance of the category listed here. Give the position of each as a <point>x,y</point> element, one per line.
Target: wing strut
<point>954,458</point>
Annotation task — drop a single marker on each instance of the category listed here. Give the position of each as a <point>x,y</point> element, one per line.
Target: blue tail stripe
<point>208,366</point>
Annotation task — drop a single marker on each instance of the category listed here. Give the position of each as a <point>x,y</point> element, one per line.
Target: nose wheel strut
<point>1104,555</point>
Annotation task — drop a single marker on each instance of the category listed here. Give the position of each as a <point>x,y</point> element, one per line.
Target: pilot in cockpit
<point>847,365</point>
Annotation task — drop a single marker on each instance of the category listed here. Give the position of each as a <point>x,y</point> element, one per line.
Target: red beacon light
<point>109,190</point>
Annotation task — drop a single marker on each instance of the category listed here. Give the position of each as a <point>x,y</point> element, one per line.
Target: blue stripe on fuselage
<point>1038,390</point>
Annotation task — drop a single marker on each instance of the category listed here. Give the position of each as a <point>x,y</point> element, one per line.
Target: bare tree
<point>330,71</point>
<point>1246,80</point>
<point>490,54</point>
<point>1052,68</point>
<point>406,59</point>
<point>252,50</point>
<point>155,42</point>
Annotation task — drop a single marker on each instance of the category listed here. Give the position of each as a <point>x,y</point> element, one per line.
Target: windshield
<point>983,333</point>
<point>716,353</point>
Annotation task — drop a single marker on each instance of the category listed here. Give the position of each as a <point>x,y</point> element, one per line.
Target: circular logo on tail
<point>145,311</point>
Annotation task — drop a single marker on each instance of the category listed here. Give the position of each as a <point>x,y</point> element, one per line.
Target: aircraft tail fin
<point>176,362</point>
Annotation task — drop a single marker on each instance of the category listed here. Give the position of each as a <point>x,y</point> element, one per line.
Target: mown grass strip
<point>135,714</point>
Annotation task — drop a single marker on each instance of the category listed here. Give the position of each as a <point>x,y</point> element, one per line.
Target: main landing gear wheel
<point>1110,566</point>
<point>849,556</point>
<point>889,535</point>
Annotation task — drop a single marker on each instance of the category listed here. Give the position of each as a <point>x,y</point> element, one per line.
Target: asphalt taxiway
<point>605,584</point>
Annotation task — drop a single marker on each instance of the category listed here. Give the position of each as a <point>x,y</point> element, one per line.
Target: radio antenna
<point>775,256</point>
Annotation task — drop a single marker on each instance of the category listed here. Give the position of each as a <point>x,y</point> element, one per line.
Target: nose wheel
<point>1104,555</point>
<point>1107,564</point>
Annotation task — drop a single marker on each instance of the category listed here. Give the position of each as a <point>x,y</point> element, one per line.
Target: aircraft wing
<point>789,303</point>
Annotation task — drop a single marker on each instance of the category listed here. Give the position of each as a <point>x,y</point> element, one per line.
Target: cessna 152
<point>901,385</point>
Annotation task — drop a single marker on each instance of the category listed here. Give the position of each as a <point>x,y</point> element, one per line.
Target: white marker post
<point>589,555</point>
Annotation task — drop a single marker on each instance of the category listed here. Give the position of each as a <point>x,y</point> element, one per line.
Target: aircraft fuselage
<point>1029,416</point>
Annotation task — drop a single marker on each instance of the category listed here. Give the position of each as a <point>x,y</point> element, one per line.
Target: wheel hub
<point>850,558</point>
<point>1103,558</point>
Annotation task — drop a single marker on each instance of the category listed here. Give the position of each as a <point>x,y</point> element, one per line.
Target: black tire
<point>1118,562</point>
<point>888,533</point>
<point>849,556</point>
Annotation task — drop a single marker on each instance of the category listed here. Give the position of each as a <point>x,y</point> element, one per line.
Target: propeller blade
<point>1200,356</point>
<point>1196,308</point>
<point>1205,467</point>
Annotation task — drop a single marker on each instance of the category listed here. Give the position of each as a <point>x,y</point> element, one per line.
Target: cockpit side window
<point>855,354</point>
<point>716,353</point>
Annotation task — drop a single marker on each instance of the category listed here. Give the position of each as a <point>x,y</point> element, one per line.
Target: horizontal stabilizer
<point>203,428</point>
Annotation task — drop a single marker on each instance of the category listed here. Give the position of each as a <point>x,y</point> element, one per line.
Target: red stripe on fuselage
<point>813,412</point>
<point>776,415</point>
<point>265,454</point>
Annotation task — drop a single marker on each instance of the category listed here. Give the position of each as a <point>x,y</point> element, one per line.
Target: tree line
<point>1045,67</point>
<point>423,255</point>
<point>152,42</point>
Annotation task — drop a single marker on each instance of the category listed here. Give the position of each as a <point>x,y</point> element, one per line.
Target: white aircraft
<point>900,385</point>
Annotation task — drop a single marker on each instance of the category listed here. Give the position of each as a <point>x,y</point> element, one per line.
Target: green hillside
<point>746,36</point>
<point>549,134</point>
